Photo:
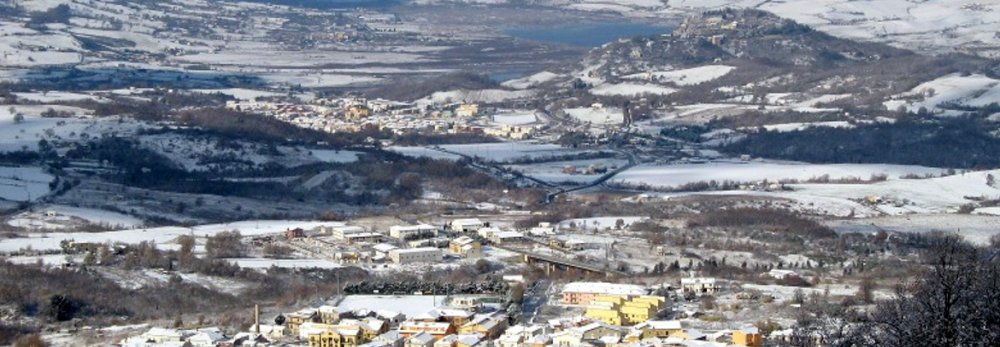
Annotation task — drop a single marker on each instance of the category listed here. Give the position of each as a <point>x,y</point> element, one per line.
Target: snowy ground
<point>15,136</point>
<point>515,118</point>
<point>975,228</point>
<point>530,81</point>
<point>898,196</point>
<point>598,223</point>
<point>680,174</point>
<point>423,152</point>
<point>974,90</point>
<point>932,25</point>
<point>335,156</point>
<point>265,263</point>
<point>554,171</point>
<point>160,236</point>
<point>685,77</point>
<point>508,151</point>
<point>631,89</point>
<point>409,305</point>
<point>23,183</point>
<point>598,116</point>
<point>483,96</point>
<point>57,217</point>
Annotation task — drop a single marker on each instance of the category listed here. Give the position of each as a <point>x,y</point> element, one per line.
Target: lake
<point>592,34</point>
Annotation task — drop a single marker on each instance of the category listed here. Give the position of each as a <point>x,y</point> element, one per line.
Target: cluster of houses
<point>404,244</point>
<point>617,315</point>
<point>357,114</point>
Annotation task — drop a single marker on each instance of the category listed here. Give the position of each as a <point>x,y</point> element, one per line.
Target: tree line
<point>962,142</point>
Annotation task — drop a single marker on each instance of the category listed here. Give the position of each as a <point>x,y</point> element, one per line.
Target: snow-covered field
<point>530,81</point>
<point>265,263</point>
<point>335,156</point>
<point>507,151</point>
<point>23,183</point>
<point>975,228</point>
<point>409,305</point>
<point>484,95</point>
<point>417,152</point>
<point>160,236</point>
<point>631,89</point>
<point>685,77</point>
<point>515,118</point>
<point>597,115</point>
<point>680,174</point>
<point>907,197</point>
<point>15,136</point>
<point>56,96</point>
<point>553,171</point>
<point>239,93</point>
<point>55,217</point>
<point>973,90</point>
<point>599,223</point>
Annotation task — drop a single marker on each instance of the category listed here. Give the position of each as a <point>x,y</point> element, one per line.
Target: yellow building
<point>295,319</point>
<point>489,326</point>
<point>332,314</point>
<point>467,110</point>
<point>621,310</point>
<point>659,329</point>
<point>336,336</point>
<point>749,337</point>
<point>466,247</point>
<point>357,112</point>
<point>606,312</point>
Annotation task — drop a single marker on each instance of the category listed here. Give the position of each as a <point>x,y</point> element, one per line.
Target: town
<point>358,114</point>
<point>453,173</point>
<point>542,306</point>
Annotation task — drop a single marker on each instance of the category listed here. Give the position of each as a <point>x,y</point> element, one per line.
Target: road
<point>534,299</point>
<point>632,161</point>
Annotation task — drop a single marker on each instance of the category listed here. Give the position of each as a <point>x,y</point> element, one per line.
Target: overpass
<point>552,263</point>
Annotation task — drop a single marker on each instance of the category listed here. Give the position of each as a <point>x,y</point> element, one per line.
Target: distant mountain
<point>754,62</point>
<point>926,26</point>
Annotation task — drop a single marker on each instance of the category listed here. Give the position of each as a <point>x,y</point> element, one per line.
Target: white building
<point>699,285</point>
<point>341,233</point>
<point>408,231</point>
<point>415,255</point>
<point>467,224</point>
<point>543,228</point>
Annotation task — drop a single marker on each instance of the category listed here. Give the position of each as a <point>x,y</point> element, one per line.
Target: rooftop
<point>605,288</point>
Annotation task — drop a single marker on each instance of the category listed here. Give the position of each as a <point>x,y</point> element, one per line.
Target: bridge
<point>552,263</point>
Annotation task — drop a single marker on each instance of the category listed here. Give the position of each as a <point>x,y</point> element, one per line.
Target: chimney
<point>256,318</point>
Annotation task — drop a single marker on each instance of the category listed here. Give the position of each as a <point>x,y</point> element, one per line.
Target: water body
<point>593,34</point>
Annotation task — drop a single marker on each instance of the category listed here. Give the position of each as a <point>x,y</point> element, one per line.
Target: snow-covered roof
<point>384,247</point>
<point>347,229</point>
<point>469,339</point>
<point>422,337</point>
<point>412,227</point>
<point>605,288</point>
<point>508,235</point>
<point>697,280</point>
<point>467,221</point>
<point>463,240</point>
<point>664,324</point>
<point>416,250</point>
